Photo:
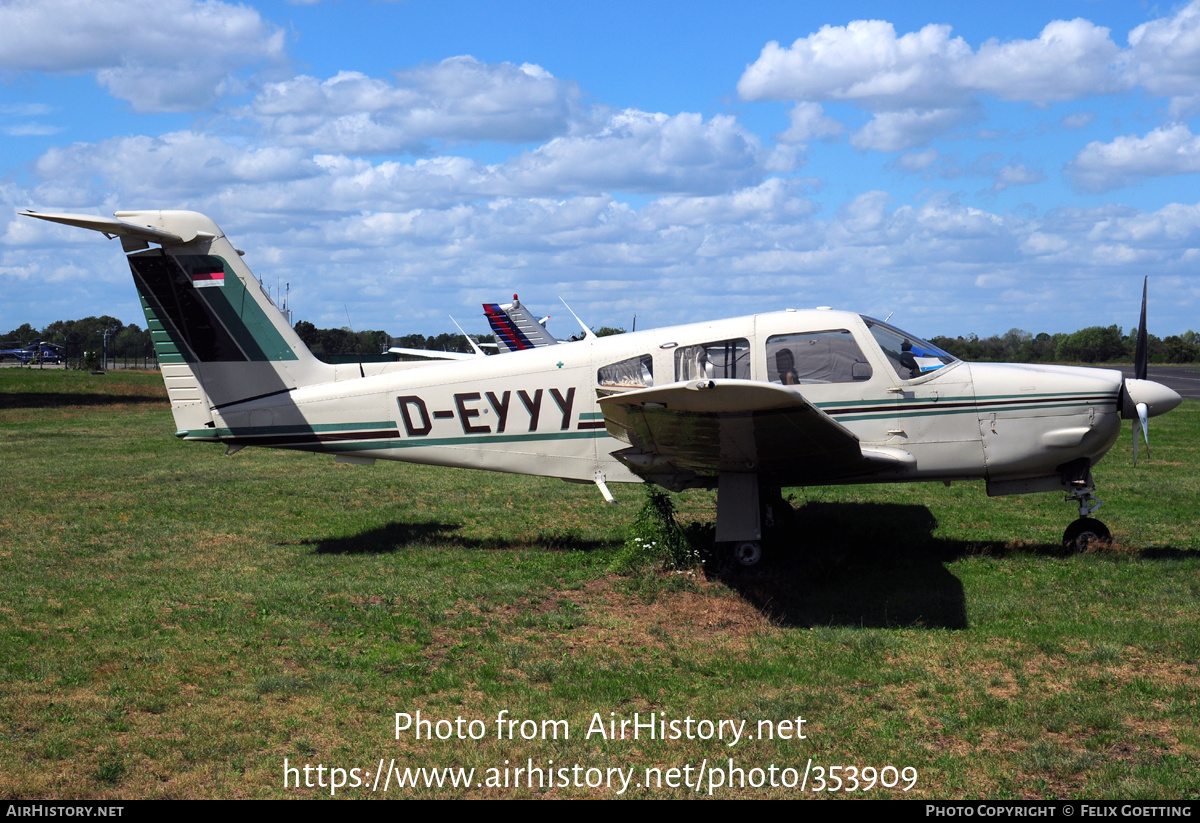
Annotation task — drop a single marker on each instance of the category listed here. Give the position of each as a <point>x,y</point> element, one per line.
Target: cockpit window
<point>910,356</point>
<point>816,357</point>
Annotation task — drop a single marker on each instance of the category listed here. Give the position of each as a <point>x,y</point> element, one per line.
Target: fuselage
<point>535,411</point>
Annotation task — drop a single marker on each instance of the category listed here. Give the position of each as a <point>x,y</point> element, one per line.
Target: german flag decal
<point>208,278</point>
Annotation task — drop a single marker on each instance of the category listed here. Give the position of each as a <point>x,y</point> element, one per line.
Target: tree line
<point>1095,344</point>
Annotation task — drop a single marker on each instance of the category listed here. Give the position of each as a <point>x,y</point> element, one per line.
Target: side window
<point>634,373</point>
<point>816,357</point>
<point>723,358</point>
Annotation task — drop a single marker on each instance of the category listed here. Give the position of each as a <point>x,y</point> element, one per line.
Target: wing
<point>699,429</point>
<point>426,354</point>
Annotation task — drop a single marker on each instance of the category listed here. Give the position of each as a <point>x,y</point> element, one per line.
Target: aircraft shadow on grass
<point>53,400</point>
<point>869,565</point>
<point>398,536</point>
<point>859,565</point>
<point>873,565</point>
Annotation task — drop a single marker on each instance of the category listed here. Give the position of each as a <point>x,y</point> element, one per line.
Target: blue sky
<point>967,169</point>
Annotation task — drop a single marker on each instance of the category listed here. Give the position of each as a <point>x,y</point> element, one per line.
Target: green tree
<point>1095,344</point>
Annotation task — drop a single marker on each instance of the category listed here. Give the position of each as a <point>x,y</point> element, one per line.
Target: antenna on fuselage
<point>358,350</point>
<point>586,331</point>
<point>478,351</point>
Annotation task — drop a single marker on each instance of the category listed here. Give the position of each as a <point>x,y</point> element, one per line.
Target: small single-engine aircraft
<point>747,406</point>
<point>514,328</point>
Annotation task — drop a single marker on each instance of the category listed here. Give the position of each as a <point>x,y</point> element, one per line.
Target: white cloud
<point>160,55</point>
<point>637,151</point>
<point>901,130</point>
<point>1078,120</point>
<point>1068,60</point>
<point>179,166</point>
<point>864,60</point>
<point>774,200</point>
<point>1167,150</point>
<point>1166,55</point>
<point>921,84</point>
<point>458,99</point>
<point>917,161</point>
<point>31,130</point>
<point>1016,174</point>
<point>808,121</point>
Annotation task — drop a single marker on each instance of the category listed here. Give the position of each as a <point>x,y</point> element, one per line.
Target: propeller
<point>1139,373</point>
<point>1142,399</point>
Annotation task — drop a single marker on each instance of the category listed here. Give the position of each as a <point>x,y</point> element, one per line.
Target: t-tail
<point>219,337</point>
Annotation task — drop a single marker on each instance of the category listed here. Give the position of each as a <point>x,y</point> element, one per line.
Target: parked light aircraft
<point>514,328</point>
<point>746,406</point>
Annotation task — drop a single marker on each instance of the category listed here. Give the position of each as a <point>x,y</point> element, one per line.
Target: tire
<point>1085,533</point>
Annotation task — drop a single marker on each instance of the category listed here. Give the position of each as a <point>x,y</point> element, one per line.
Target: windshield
<point>910,356</point>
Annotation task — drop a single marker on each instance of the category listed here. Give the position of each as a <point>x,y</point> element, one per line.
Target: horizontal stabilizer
<point>111,227</point>
<point>427,354</point>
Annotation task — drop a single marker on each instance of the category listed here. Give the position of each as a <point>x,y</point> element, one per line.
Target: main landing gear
<point>749,514</point>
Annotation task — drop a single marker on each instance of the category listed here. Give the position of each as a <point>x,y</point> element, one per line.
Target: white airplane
<point>746,406</point>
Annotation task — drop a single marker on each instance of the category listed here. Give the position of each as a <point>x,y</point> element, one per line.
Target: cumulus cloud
<point>638,151</point>
<point>459,99</point>
<point>809,121</point>
<point>1167,150</point>
<point>922,84</point>
<point>864,61</point>
<point>901,130</point>
<point>1068,60</point>
<point>179,166</point>
<point>1166,56</point>
<point>772,200</point>
<point>160,55</point>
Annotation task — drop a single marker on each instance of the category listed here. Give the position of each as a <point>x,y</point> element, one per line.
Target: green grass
<point>176,623</point>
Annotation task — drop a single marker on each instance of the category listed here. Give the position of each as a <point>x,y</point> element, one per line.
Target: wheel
<point>747,553</point>
<point>1085,533</point>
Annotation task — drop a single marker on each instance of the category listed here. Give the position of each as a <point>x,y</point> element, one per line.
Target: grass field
<point>176,623</point>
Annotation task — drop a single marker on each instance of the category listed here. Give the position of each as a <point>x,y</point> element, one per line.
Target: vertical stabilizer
<point>219,337</point>
<point>515,327</point>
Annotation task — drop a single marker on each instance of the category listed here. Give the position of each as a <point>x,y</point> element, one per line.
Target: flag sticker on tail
<point>212,277</point>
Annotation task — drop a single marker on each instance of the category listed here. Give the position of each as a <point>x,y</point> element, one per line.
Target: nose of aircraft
<point>1157,398</point>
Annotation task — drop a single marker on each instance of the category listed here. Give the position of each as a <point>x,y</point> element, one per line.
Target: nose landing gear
<point>1086,531</point>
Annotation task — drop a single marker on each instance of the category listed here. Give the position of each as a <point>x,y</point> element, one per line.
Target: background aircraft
<point>747,406</point>
<point>45,352</point>
<point>516,328</point>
